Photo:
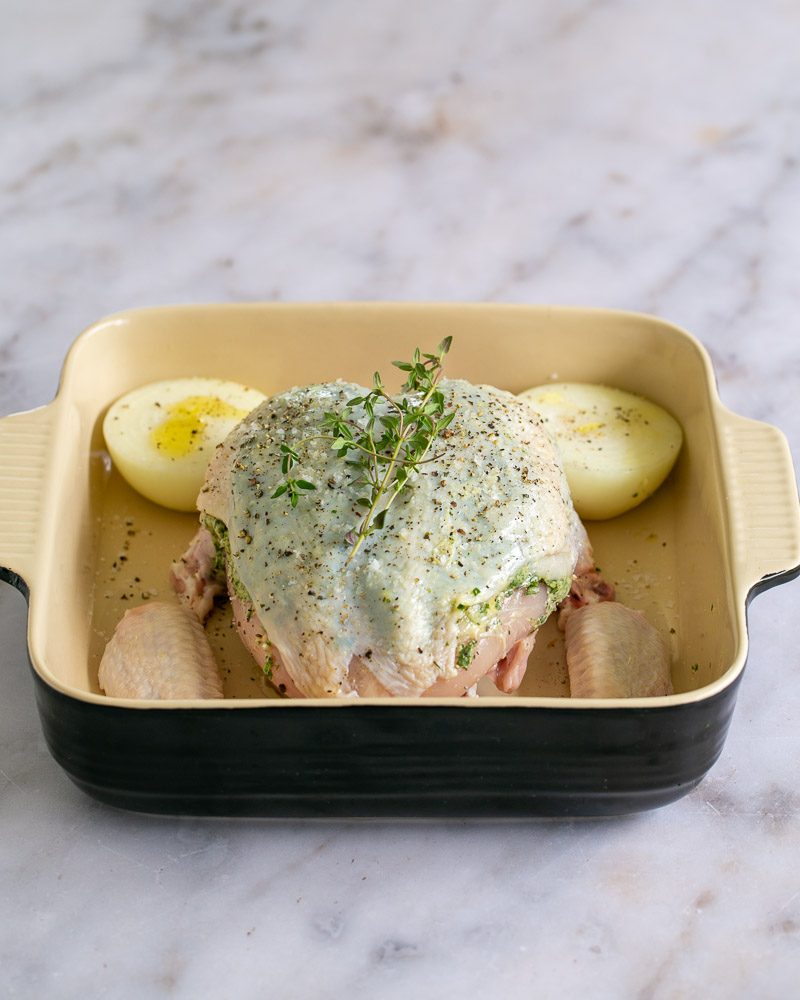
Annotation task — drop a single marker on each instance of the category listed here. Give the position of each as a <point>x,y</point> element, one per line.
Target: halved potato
<point>617,448</point>
<point>161,436</point>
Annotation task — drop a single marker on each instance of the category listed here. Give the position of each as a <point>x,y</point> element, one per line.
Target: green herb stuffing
<point>219,535</point>
<point>222,556</point>
<point>480,614</point>
<point>557,590</point>
<point>466,654</point>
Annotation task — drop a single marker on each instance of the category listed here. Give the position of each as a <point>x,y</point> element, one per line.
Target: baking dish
<point>83,548</point>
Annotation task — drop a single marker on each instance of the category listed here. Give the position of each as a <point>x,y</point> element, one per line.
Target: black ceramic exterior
<point>386,761</point>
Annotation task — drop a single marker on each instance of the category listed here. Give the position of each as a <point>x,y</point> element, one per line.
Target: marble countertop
<point>631,155</point>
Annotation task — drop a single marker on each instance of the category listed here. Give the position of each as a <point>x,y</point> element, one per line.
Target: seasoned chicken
<point>477,551</point>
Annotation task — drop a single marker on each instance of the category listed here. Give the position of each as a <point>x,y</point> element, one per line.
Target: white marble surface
<point>616,153</point>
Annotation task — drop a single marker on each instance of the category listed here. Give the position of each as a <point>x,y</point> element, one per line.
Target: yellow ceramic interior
<point>89,548</point>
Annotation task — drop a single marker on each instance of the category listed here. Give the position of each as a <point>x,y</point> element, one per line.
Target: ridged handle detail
<point>24,448</point>
<point>763,500</point>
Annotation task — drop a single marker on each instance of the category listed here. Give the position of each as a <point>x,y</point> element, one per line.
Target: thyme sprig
<point>294,487</point>
<point>385,448</point>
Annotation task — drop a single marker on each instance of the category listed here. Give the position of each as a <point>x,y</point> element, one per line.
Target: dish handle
<point>24,448</point>
<point>763,500</point>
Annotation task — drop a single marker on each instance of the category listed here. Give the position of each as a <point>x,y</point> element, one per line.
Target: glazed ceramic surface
<point>725,522</point>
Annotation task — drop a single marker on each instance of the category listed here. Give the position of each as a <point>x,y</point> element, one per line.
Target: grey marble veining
<point>603,153</point>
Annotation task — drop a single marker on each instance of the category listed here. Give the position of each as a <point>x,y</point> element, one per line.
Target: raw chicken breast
<point>475,554</point>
